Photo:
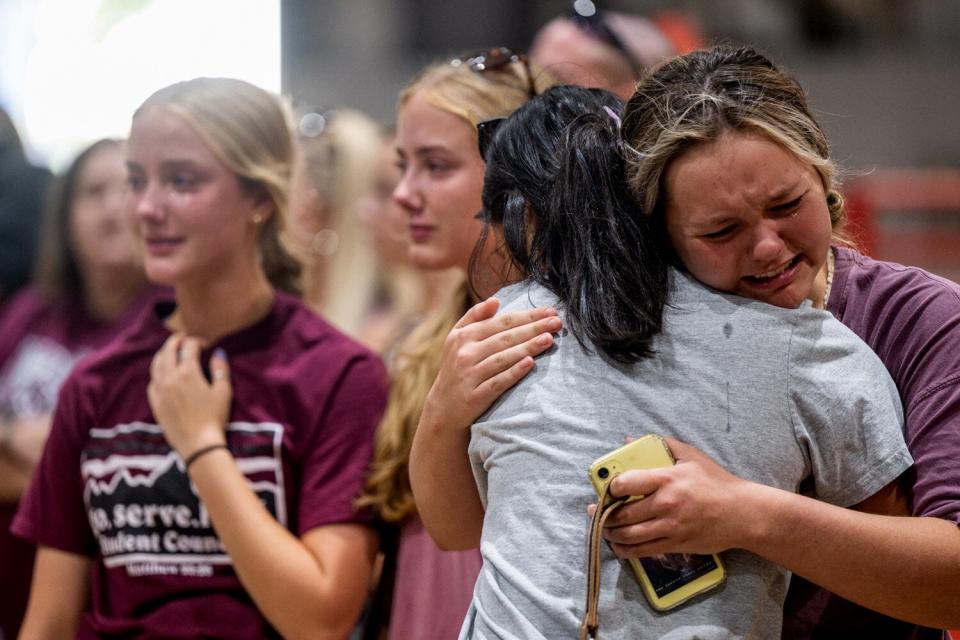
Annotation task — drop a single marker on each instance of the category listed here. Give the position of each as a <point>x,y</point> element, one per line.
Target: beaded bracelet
<point>200,452</point>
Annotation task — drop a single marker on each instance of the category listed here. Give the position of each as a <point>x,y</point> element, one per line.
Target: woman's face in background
<point>381,216</point>
<point>440,185</point>
<point>100,235</point>
<point>747,216</point>
<point>308,212</point>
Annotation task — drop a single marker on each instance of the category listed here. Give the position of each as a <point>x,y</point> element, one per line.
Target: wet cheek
<point>693,258</point>
<point>714,267</point>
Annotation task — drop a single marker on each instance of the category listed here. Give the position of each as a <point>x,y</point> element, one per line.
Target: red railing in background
<point>910,216</point>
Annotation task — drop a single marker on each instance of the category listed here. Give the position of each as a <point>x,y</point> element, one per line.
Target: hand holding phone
<point>667,580</point>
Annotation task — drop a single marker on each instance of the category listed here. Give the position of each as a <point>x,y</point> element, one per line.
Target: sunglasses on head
<point>590,20</point>
<point>498,59</point>
<point>485,132</point>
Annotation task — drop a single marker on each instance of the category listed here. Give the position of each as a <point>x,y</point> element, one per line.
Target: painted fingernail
<point>220,353</point>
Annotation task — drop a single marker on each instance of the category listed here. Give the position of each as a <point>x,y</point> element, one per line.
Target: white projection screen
<point>72,71</point>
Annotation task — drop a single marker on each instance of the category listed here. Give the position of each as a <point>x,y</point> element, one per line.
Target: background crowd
<point>367,217</point>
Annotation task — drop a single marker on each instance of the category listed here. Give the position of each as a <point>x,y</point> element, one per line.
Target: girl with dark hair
<point>89,285</point>
<point>594,254</point>
<point>757,387</point>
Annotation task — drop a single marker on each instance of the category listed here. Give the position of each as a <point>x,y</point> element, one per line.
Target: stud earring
<point>257,218</point>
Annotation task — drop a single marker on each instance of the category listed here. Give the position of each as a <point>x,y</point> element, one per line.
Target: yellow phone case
<point>669,581</point>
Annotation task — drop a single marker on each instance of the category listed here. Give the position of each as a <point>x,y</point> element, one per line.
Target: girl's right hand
<point>695,506</point>
<point>483,356</point>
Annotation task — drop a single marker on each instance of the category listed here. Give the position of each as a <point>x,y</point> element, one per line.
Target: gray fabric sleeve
<point>847,413</point>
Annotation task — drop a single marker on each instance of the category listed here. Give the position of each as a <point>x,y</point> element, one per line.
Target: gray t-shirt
<point>784,397</point>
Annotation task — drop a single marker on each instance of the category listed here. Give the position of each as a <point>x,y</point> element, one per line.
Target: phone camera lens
<point>603,472</point>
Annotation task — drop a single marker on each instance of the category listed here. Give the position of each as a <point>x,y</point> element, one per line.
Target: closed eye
<point>786,206</point>
<point>437,166</point>
<point>720,233</point>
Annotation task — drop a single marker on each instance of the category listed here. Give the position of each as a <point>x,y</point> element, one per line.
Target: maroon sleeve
<point>933,437</point>
<point>338,455</point>
<point>911,319</point>
<point>920,345</point>
<point>52,511</point>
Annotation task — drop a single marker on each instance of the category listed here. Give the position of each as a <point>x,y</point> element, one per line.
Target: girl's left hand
<point>695,506</point>
<point>192,412</point>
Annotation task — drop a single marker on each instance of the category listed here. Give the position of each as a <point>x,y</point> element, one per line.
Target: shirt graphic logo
<point>144,511</point>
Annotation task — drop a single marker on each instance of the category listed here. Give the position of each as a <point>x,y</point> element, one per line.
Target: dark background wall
<point>883,75</point>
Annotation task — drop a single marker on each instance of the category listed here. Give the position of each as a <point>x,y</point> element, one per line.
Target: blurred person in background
<point>200,473</point>
<point>23,190</point>
<point>89,285</point>
<point>439,192</point>
<point>336,164</point>
<point>589,47</point>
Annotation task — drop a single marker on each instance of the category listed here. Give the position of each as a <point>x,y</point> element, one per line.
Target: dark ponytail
<point>555,187</point>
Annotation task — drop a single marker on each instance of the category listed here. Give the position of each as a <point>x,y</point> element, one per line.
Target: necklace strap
<point>589,627</point>
<point>830,265</point>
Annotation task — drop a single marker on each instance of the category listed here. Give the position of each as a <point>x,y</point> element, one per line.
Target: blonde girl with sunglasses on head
<point>439,192</point>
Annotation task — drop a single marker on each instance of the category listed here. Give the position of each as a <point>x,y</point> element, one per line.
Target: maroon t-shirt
<point>40,341</point>
<point>911,319</point>
<point>432,588</point>
<point>306,402</point>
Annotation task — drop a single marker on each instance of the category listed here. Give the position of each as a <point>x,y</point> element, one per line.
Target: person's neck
<point>438,286</point>
<point>496,271</point>
<point>108,293</point>
<point>215,308</point>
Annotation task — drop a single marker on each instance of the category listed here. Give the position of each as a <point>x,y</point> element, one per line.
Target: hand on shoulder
<point>484,355</point>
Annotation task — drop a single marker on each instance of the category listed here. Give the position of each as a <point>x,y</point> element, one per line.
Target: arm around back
<point>483,356</point>
<point>848,417</point>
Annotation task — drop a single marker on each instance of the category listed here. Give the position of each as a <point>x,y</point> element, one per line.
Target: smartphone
<point>671,579</point>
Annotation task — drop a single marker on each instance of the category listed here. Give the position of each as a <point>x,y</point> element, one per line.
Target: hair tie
<point>613,114</point>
